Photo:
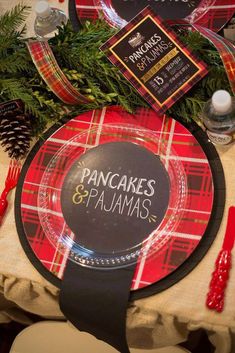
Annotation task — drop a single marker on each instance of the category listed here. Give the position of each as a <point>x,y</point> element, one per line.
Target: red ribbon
<point>225,48</point>
<point>51,73</point>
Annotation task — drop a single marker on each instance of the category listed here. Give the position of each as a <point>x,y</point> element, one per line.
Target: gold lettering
<point>159,65</point>
<point>80,194</point>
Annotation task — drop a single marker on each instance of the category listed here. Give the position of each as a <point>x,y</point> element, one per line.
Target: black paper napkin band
<point>96,301</point>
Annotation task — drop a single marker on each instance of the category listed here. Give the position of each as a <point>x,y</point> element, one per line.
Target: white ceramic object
<point>60,337</point>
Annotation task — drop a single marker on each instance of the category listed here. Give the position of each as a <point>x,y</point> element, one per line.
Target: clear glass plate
<point>86,232</point>
<point>119,12</point>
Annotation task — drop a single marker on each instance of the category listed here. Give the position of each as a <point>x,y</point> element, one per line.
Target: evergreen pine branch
<point>81,52</point>
<point>14,63</point>
<point>11,20</point>
<point>89,70</point>
<point>13,54</point>
<point>6,44</point>
<point>202,48</point>
<point>215,80</point>
<point>49,104</point>
<point>15,90</point>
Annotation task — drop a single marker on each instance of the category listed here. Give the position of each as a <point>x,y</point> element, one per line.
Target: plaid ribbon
<point>209,18</point>
<point>226,50</point>
<point>197,69</point>
<point>50,72</point>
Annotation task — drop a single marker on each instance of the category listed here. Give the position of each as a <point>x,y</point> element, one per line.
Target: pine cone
<point>15,133</point>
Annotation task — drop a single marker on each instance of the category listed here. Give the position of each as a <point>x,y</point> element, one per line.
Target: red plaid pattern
<point>50,72</point>
<point>200,73</point>
<point>181,241</point>
<point>226,50</point>
<point>213,14</point>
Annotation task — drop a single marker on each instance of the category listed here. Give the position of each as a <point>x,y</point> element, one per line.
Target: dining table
<point>160,320</point>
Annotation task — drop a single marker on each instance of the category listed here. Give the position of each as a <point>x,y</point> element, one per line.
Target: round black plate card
<point>114,196</point>
<point>167,9</point>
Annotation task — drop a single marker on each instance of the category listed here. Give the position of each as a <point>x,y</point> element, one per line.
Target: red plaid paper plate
<point>190,217</point>
<point>114,204</point>
<point>212,14</point>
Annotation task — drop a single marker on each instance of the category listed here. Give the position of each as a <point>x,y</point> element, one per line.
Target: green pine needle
<point>14,64</point>
<point>11,20</point>
<point>15,90</point>
<point>90,72</point>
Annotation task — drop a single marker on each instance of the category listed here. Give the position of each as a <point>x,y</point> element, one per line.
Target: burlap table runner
<point>161,320</point>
